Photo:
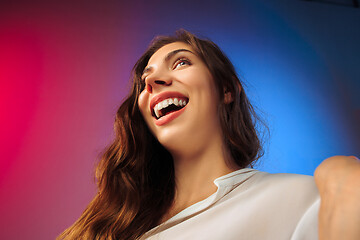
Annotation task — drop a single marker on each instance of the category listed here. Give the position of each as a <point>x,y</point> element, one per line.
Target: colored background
<point>64,70</point>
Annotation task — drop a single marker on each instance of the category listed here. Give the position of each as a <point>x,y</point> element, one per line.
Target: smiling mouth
<point>168,106</point>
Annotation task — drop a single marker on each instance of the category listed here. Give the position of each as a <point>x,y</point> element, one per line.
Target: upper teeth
<point>165,103</point>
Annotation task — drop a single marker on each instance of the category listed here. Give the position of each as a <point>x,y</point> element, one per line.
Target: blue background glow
<point>64,69</point>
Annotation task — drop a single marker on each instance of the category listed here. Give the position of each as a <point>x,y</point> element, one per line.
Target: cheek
<point>143,102</point>
<point>207,87</point>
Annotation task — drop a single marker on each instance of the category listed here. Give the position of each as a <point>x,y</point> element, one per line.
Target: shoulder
<point>283,188</point>
<point>285,204</point>
<point>284,180</point>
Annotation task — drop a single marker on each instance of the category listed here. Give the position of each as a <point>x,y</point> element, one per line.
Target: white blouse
<point>250,205</point>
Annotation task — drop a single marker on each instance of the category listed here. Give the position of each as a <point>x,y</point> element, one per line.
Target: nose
<point>157,80</point>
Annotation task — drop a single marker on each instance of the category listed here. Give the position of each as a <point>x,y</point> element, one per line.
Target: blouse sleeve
<point>307,228</point>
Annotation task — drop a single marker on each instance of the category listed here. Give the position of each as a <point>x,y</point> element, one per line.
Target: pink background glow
<point>65,68</point>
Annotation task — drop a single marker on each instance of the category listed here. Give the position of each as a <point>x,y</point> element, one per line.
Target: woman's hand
<point>338,181</point>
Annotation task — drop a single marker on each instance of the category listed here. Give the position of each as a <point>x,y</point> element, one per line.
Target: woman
<point>186,125</point>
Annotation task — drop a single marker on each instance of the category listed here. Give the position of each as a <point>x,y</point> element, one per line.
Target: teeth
<point>182,103</point>
<point>156,112</point>
<point>165,103</point>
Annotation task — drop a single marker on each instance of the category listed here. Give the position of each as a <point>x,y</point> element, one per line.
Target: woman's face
<point>179,102</point>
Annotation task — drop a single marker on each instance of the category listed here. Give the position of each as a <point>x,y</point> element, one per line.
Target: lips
<point>167,105</point>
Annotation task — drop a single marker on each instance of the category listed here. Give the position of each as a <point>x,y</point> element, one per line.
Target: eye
<point>181,62</point>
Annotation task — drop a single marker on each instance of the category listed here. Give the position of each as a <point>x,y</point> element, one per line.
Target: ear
<point>228,98</point>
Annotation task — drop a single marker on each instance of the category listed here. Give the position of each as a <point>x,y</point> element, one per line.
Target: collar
<point>225,184</point>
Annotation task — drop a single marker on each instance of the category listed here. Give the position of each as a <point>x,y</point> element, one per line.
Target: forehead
<point>160,54</point>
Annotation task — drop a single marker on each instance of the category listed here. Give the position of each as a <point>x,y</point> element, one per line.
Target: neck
<point>195,174</point>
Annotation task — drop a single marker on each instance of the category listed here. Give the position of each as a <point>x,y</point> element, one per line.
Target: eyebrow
<point>168,57</point>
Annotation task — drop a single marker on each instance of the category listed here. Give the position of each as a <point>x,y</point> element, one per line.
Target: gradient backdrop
<point>64,69</point>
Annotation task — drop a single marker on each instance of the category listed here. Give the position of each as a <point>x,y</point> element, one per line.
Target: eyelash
<point>181,60</point>
<point>177,62</point>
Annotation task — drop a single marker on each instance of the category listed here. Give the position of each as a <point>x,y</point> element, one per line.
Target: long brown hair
<point>136,181</point>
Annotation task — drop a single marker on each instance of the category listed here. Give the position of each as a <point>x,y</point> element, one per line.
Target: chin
<point>172,141</point>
